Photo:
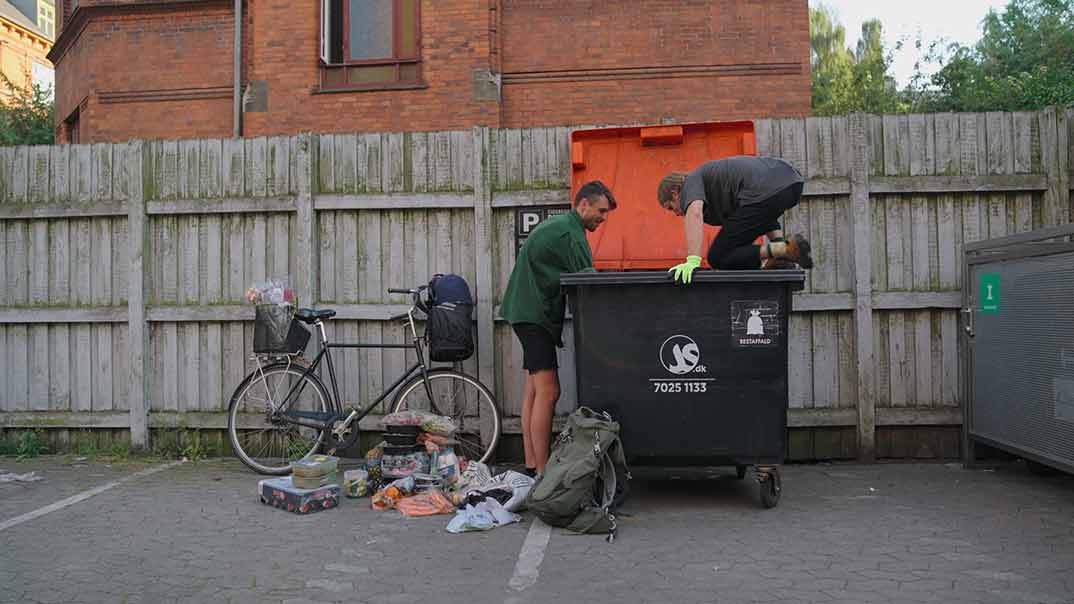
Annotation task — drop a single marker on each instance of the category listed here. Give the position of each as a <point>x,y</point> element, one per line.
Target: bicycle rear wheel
<point>462,398</point>
<point>268,444</point>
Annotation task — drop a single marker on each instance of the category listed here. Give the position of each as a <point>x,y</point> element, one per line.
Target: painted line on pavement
<point>63,503</point>
<point>530,556</point>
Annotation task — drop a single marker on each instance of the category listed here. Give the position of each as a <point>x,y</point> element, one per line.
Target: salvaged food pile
<point>414,470</point>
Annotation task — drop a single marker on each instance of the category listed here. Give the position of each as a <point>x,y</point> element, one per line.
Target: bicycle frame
<point>356,414</point>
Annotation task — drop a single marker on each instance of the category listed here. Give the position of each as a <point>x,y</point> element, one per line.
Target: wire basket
<point>277,332</point>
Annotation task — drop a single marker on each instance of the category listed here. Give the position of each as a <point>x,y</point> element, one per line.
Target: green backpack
<point>585,478</point>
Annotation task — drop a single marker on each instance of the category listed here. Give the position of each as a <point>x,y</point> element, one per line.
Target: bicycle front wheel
<point>261,439</point>
<point>462,398</point>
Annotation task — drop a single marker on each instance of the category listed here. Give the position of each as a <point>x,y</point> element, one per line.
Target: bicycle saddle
<point>308,315</point>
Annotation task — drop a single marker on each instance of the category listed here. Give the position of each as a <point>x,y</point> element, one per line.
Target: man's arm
<point>577,257</point>
<point>695,228</point>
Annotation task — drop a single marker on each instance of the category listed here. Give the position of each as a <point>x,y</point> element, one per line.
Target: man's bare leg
<point>528,393</point>
<point>546,385</point>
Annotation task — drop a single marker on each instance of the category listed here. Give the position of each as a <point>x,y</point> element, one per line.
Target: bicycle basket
<point>277,332</point>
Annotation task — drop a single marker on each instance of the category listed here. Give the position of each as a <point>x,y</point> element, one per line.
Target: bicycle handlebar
<point>417,290</point>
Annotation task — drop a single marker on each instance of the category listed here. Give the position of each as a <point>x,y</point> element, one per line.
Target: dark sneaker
<point>778,264</point>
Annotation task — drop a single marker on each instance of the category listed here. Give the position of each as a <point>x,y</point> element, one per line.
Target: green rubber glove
<point>684,272</point>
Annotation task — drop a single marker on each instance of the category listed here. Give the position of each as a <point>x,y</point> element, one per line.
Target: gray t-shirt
<point>725,184</point>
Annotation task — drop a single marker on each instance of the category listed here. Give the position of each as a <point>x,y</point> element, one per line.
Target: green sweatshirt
<point>558,245</point>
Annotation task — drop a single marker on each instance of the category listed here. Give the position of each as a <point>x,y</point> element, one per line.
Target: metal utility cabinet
<point>1018,336</point>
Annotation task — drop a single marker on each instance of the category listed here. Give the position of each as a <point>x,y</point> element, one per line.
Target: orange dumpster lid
<point>639,234</point>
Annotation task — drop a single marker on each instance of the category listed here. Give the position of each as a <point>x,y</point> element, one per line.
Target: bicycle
<point>268,431</point>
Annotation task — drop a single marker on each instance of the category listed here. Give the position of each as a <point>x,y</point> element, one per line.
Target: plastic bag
<point>486,515</point>
<point>356,483</point>
<point>474,476</point>
<point>447,466</point>
<point>275,291</point>
<point>429,422</point>
<point>516,483</point>
<point>429,503</point>
<point>438,424</point>
<point>404,418</point>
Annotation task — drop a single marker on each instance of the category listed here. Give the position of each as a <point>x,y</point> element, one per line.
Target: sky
<point>956,20</point>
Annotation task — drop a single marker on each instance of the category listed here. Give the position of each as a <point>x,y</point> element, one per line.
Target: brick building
<point>27,28</point>
<point>165,69</point>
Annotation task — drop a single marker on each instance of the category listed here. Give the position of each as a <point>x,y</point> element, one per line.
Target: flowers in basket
<point>276,291</point>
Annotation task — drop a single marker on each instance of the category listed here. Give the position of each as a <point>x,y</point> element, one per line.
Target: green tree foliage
<point>1024,60</point>
<point>831,62</point>
<point>26,114</point>
<point>845,81</point>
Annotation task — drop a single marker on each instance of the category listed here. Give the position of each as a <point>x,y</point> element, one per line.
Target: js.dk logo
<point>680,355</point>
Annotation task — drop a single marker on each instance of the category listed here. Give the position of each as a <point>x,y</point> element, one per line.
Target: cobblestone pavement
<point>887,533</point>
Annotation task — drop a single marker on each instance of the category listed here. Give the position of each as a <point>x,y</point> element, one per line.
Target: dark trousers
<point>733,247</point>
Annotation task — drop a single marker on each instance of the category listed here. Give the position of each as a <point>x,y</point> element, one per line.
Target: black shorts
<point>538,347</point>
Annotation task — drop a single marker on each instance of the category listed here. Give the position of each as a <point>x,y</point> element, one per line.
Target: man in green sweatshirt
<point>535,306</point>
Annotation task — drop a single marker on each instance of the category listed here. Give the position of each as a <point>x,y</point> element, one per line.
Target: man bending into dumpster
<point>745,195</point>
<point>535,306</point>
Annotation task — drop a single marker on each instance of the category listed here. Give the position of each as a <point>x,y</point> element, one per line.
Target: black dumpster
<point>695,374</point>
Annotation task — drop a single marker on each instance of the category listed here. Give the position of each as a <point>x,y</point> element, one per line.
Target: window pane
<point>334,77</point>
<point>408,72</point>
<point>43,76</point>
<point>373,74</point>
<point>370,29</point>
<point>335,31</point>
<point>408,28</point>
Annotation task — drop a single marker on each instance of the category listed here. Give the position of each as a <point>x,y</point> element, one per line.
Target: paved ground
<point>842,533</point>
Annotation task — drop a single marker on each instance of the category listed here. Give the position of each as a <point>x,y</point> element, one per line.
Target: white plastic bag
<point>475,475</point>
<point>484,516</point>
<point>519,484</point>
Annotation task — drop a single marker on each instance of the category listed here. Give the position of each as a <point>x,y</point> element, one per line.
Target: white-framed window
<point>370,43</point>
<point>46,18</point>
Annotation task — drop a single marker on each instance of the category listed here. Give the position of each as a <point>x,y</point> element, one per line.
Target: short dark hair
<point>592,190</point>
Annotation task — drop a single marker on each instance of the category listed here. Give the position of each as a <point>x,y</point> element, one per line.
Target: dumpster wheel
<point>771,486</point>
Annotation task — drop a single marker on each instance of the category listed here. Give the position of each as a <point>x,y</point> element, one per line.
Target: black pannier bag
<point>450,329</point>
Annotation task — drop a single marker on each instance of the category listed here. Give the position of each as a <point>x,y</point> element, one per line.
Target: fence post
<point>137,328</point>
<point>486,340</point>
<point>305,240</point>
<point>861,227</point>
<point>1054,149</point>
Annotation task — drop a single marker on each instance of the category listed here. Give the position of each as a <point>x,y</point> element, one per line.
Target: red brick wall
<point>614,62</point>
<point>625,62</point>
<point>454,43</point>
<point>167,52</point>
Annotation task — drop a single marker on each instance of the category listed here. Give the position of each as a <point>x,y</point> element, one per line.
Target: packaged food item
<point>281,493</point>
<point>447,466</point>
<point>400,466</point>
<point>313,482</point>
<point>429,503</point>
<point>315,465</point>
<point>356,483</point>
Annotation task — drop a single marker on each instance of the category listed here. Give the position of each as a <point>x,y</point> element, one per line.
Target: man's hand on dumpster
<point>684,272</point>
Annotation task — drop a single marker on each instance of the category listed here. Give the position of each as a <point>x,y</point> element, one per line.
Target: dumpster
<point>696,375</point>
<point>640,235</point>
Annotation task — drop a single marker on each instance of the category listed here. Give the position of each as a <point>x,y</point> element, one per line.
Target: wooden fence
<point>123,266</point>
